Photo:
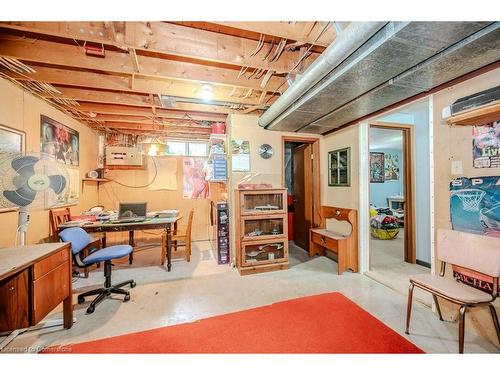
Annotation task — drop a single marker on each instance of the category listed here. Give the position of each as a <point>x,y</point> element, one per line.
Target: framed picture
<point>12,141</point>
<point>339,167</point>
<point>391,162</point>
<point>59,141</point>
<point>377,167</point>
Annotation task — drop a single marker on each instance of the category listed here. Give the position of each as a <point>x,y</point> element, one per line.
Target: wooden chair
<point>476,253</point>
<point>61,216</point>
<point>179,239</point>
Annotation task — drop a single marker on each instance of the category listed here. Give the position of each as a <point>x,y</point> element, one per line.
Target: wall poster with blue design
<point>475,208</point>
<point>475,205</point>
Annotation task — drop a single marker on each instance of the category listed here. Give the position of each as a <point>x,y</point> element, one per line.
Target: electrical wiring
<point>139,186</point>
<point>302,58</point>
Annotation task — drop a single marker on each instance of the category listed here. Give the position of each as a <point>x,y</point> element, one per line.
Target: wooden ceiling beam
<point>142,100</point>
<point>166,38</point>
<point>302,32</point>
<point>72,56</point>
<point>150,127</point>
<point>142,85</point>
<point>126,111</point>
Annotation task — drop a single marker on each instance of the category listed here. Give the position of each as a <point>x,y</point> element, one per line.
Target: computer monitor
<point>132,210</point>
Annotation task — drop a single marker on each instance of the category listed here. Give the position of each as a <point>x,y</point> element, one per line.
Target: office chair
<point>79,240</point>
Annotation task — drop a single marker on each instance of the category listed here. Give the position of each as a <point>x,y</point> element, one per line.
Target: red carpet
<point>326,323</point>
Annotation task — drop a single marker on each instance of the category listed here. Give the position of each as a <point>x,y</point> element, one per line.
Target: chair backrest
<point>78,238</point>
<point>472,251</point>
<point>58,217</point>
<point>189,224</point>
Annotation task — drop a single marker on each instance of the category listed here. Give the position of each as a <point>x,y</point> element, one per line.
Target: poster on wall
<point>240,155</point>
<point>391,167</point>
<point>475,208</point>
<point>377,169</point>
<point>486,145</point>
<point>59,141</point>
<point>194,175</point>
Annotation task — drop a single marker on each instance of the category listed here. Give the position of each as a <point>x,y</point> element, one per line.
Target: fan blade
<point>20,197</point>
<point>57,183</point>
<point>24,165</point>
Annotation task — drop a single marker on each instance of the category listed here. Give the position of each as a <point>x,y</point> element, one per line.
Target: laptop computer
<point>131,212</point>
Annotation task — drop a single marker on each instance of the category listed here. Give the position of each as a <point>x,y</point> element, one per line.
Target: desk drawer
<point>49,290</point>
<point>48,264</point>
<point>329,243</point>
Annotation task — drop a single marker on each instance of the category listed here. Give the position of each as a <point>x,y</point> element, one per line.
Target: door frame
<point>410,251</point>
<point>315,164</point>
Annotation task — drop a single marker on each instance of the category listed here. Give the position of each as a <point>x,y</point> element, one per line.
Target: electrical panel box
<point>128,156</point>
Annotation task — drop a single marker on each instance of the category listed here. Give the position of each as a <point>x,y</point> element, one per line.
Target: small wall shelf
<point>97,180</point>
<point>478,116</point>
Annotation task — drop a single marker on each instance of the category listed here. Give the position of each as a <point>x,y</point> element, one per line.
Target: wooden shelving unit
<point>261,242</point>
<point>477,116</point>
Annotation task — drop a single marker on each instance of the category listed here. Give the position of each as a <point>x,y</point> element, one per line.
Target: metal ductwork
<point>401,60</point>
<point>346,43</point>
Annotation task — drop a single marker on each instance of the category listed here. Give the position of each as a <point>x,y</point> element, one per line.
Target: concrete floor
<point>202,288</point>
<point>388,267</point>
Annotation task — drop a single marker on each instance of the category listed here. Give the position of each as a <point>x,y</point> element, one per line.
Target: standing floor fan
<point>30,183</point>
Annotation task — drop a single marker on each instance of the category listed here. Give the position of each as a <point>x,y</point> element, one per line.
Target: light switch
<point>457,168</point>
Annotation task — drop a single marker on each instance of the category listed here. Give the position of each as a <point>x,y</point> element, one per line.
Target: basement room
<point>216,187</point>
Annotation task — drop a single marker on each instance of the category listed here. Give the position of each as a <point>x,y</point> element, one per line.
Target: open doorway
<point>301,178</point>
<point>399,196</point>
<point>391,196</point>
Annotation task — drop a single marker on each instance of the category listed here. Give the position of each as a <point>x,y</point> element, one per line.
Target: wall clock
<point>265,151</point>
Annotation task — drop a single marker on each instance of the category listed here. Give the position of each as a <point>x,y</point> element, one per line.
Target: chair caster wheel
<point>81,300</point>
<point>126,298</point>
<point>133,284</point>
<point>91,309</point>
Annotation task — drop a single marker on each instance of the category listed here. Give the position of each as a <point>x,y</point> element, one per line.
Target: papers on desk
<point>77,223</point>
<point>163,213</point>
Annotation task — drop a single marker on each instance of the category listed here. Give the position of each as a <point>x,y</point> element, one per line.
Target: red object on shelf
<point>289,200</point>
<point>218,128</point>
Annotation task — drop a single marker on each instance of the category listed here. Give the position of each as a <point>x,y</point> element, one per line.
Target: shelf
<point>98,180</point>
<point>478,116</point>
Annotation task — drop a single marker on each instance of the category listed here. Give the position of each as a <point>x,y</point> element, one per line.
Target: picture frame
<point>59,141</point>
<point>12,141</point>
<point>339,167</point>
<point>377,167</point>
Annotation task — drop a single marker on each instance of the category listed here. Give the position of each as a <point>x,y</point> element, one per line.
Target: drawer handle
<point>323,239</point>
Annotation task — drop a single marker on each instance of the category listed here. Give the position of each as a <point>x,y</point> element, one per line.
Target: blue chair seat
<point>108,253</point>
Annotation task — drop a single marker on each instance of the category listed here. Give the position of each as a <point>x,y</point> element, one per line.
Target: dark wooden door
<point>302,184</point>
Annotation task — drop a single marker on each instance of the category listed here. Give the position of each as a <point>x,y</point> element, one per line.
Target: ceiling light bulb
<point>206,92</point>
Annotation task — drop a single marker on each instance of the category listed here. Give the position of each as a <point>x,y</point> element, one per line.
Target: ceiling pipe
<point>352,37</point>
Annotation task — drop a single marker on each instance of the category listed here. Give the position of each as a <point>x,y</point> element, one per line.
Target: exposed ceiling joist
<point>125,111</point>
<point>302,32</point>
<point>72,56</point>
<point>142,85</point>
<point>102,96</point>
<point>166,38</point>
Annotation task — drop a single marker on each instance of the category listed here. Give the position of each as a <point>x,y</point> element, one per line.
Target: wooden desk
<point>34,279</point>
<point>148,224</point>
